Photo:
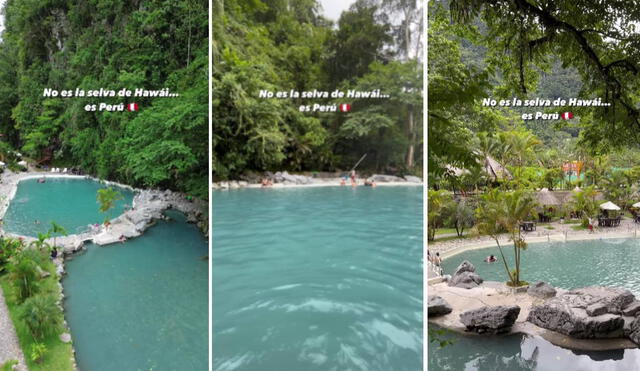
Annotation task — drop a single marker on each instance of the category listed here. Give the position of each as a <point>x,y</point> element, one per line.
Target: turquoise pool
<point>611,262</point>
<point>523,353</point>
<point>70,202</point>
<point>141,305</point>
<point>317,279</point>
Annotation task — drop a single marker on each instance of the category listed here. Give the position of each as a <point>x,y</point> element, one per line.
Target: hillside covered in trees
<point>283,45</point>
<point>109,44</point>
<point>477,51</point>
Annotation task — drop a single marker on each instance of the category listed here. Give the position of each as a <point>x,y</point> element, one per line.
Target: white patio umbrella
<point>609,206</point>
<point>637,204</point>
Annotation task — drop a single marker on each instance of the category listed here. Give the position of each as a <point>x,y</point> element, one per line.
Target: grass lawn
<point>445,231</point>
<point>578,228</point>
<point>59,355</point>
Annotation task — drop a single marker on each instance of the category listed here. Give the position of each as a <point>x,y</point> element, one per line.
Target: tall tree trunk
<point>412,139</point>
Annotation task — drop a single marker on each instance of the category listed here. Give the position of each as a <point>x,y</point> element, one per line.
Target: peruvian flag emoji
<point>566,115</point>
<point>132,107</point>
<point>344,107</point>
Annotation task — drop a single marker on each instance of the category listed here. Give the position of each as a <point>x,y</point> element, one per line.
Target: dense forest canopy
<point>529,49</point>
<point>283,45</point>
<point>110,44</point>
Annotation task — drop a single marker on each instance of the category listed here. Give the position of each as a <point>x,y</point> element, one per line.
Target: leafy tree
<point>617,188</point>
<point>552,177</point>
<point>584,202</point>
<point>454,89</point>
<point>90,45</point>
<point>462,216</point>
<point>284,46</point>
<point>597,39</point>
<point>9,247</point>
<point>437,201</point>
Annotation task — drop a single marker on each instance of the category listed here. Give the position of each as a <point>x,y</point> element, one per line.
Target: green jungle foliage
<point>283,45</point>
<point>528,50</point>
<point>110,44</point>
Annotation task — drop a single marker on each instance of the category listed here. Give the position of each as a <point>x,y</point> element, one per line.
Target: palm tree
<point>584,202</point>
<point>55,229</point>
<point>107,198</point>
<point>521,145</point>
<point>41,243</point>
<point>503,212</point>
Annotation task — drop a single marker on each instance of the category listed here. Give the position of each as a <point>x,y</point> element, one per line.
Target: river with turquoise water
<point>138,305</point>
<point>326,278</point>
<point>70,202</point>
<point>569,265</point>
<point>143,304</point>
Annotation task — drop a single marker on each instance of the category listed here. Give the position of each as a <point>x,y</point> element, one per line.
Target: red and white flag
<point>344,107</point>
<point>132,107</point>
<point>567,115</point>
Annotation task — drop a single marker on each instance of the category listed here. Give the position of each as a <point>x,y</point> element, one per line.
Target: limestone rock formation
<point>412,179</point>
<point>590,312</point>
<point>541,290</point>
<point>495,320</point>
<point>465,276</point>
<point>437,306</point>
<point>379,178</point>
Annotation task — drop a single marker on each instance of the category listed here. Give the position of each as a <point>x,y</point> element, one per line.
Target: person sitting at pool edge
<point>266,182</point>
<point>54,253</point>
<point>490,259</point>
<point>369,183</point>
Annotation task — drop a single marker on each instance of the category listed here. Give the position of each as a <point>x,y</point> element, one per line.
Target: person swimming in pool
<point>490,259</point>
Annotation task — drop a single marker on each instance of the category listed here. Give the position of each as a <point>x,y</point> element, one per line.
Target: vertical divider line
<point>209,186</point>
<point>425,185</point>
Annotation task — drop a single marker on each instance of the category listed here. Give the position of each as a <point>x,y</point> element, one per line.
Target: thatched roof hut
<point>495,170</point>
<point>547,198</point>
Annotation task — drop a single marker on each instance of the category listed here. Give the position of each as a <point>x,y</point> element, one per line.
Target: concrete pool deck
<point>561,233</point>
<point>496,293</point>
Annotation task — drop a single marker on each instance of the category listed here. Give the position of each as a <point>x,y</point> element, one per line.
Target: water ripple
<point>317,279</point>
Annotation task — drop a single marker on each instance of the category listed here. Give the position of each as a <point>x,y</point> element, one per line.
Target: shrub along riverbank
<point>30,284</point>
